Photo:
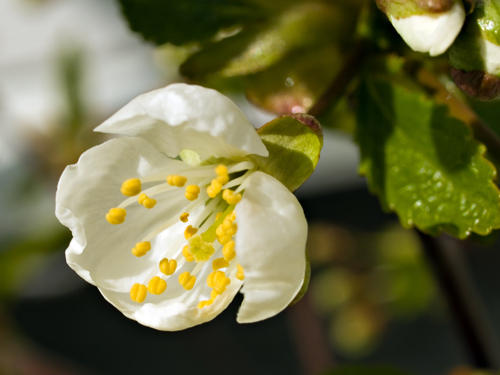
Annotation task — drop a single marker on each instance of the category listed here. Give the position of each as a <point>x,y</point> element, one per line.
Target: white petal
<point>490,53</point>
<point>183,116</point>
<point>431,33</point>
<point>270,245</point>
<point>173,314</point>
<point>100,252</point>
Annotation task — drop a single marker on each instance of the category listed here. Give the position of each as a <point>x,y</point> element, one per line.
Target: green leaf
<point>424,164</point>
<point>294,143</point>
<point>186,21</point>
<point>366,370</point>
<point>257,47</point>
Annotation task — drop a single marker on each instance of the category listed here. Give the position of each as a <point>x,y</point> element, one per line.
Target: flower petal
<point>173,314</point>
<point>182,116</point>
<point>431,33</point>
<point>270,245</point>
<point>100,252</point>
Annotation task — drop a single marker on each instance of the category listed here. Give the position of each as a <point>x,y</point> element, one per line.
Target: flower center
<point>209,190</point>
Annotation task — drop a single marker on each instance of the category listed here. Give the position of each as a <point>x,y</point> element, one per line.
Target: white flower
<point>149,220</point>
<point>432,33</point>
<point>490,53</point>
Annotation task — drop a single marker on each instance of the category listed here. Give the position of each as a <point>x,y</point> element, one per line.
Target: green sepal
<point>403,9</point>
<point>294,142</point>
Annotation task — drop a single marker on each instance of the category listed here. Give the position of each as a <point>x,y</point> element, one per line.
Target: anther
<point>141,248</point>
<point>218,281</point>
<point>219,263</point>
<point>138,292</point>
<point>146,201</point>
<point>184,217</point>
<point>223,179</point>
<point>190,232</point>
<point>228,251</point>
<point>221,283</point>
<point>157,285</point>
<point>187,280</point>
<point>231,198</point>
<point>221,170</point>
<point>187,254</point>
<point>168,267</point>
<point>116,215</point>
<point>224,239</point>
<point>213,295</point>
<point>131,187</point>
<point>175,180</point>
<point>240,274</point>
<point>192,192</point>
<point>202,304</point>
<point>214,188</point>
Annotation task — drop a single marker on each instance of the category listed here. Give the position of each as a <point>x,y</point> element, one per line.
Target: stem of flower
<point>456,286</point>
<point>339,85</point>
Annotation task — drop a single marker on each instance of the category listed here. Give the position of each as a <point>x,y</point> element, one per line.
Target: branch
<point>464,306</point>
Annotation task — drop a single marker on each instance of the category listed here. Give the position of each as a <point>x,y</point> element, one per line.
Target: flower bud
<point>475,55</point>
<point>425,25</point>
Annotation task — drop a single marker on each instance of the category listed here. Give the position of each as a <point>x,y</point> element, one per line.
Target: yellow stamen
<point>224,239</point>
<point>190,232</point>
<point>168,267</point>
<point>187,280</point>
<point>221,170</point>
<point>157,285</point>
<point>213,295</point>
<point>228,251</point>
<point>141,248</point>
<point>202,304</point>
<point>218,216</point>
<point>199,249</point>
<point>220,232</point>
<point>223,179</point>
<point>230,197</point>
<point>146,201</point>
<point>184,217</point>
<point>240,275</point>
<point>192,192</point>
<point>219,263</point>
<point>232,216</point>
<point>116,215</point>
<point>221,284</point>
<point>218,281</point>
<point>185,251</point>
<point>131,187</point>
<point>211,278</point>
<point>138,292</point>
<point>175,180</point>
<point>214,188</point>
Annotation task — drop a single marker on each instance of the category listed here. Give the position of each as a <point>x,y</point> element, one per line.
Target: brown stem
<point>339,85</point>
<point>456,286</point>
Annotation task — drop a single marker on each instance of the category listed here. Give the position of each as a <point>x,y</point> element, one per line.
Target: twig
<point>339,85</point>
<point>462,301</point>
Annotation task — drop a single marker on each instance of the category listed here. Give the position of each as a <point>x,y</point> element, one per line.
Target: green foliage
<point>187,21</point>
<point>424,164</point>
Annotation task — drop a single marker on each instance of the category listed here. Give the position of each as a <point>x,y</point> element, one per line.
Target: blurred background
<point>65,66</point>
